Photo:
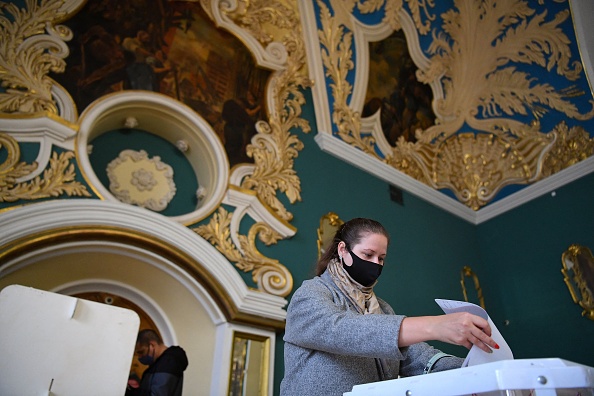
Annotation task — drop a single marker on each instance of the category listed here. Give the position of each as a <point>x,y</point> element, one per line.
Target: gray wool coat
<point>330,346</point>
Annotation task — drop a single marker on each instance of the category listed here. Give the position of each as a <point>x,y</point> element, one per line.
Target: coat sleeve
<point>419,355</point>
<point>319,319</point>
<point>164,384</point>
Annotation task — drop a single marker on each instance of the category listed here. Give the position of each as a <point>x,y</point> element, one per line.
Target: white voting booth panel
<point>51,344</point>
<point>520,377</point>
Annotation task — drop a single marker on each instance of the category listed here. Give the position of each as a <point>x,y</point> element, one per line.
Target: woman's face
<point>372,247</point>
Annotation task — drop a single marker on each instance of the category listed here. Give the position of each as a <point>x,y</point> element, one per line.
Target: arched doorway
<point>146,322</point>
<point>193,295</point>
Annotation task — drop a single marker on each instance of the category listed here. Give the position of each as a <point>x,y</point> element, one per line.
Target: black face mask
<point>362,271</point>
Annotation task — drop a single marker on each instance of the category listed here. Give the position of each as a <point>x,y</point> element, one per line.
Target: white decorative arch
<point>42,218</point>
<point>43,238</point>
<point>169,119</point>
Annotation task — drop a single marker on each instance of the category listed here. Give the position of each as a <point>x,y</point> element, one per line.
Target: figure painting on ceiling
<point>170,47</point>
<point>404,103</point>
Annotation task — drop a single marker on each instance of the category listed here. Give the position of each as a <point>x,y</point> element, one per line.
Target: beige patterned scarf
<point>363,297</point>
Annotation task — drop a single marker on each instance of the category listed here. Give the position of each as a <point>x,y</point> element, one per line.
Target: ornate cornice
<point>479,142</point>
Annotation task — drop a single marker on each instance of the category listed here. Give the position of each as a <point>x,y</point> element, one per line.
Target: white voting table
<point>519,377</point>
<point>51,344</point>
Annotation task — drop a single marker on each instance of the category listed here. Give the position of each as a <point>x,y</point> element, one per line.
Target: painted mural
<point>173,49</point>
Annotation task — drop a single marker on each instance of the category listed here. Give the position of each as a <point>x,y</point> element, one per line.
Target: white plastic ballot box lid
<point>51,344</point>
<point>541,376</point>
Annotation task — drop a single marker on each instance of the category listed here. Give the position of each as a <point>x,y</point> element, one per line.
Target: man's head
<point>149,346</point>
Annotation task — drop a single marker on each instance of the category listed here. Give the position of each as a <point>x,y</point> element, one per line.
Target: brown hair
<point>147,335</point>
<point>351,234</point>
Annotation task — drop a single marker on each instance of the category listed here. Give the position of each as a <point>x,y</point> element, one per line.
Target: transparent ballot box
<point>519,377</point>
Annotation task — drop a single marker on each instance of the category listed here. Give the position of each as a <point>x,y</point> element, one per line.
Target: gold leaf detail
<point>410,158</point>
<point>274,147</point>
<point>394,7</point>
<point>256,16</point>
<point>476,166</point>
<point>336,57</point>
<point>478,42</point>
<point>270,276</point>
<point>572,146</point>
<point>218,233</point>
<point>508,33</point>
<point>58,179</point>
<point>25,61</point>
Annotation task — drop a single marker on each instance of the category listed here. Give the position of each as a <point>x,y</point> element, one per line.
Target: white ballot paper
<point>477,355</point>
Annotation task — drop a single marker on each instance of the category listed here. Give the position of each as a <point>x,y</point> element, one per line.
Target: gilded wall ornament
<point>467,272</point>
<point>57,180</point>
<point>274,148</point>
<point>572,146</point>
<point>477,85</point>
<point>578,275</point>
<point>33,47</point>
<point>272,31</point>
<point>270,276</point>
<point>329,224</point>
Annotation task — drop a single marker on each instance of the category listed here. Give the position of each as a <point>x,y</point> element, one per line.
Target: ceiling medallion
<point>136,179</point>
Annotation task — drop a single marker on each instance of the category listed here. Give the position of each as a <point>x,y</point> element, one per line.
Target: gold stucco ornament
<point>269,274</point>
<point>578,275</point>
<point>57,179</point>
<point>477,145</point>
<point>271,30</point>
<point>32,48</point>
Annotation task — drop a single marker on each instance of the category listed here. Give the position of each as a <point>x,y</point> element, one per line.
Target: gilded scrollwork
<point>274,147</point>
<point>497,148</point>
<point>572,146</point>
<point>57,180</point>
<point>270,275</point>
<point>578,271</point>
<point>337,59</point>
<point>254,16</point>
<point>467,272</point>
<point>32,48</point>
<point>498,88</point>
<point>468,163</point>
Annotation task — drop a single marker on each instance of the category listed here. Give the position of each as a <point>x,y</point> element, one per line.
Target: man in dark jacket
<point>165,374</point>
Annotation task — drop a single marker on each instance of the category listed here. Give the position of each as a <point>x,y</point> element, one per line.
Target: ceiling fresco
<point>473,99</point>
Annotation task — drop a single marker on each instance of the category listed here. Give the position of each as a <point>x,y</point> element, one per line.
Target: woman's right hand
<point>465,329</point>
<point>460,328</point>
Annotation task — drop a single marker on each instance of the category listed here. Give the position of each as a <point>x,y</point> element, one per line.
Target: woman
<point>339,334</point>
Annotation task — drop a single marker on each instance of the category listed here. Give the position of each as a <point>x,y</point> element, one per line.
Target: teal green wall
<point>428,246</point>
<point>521,273</point>
<point>516,255</point>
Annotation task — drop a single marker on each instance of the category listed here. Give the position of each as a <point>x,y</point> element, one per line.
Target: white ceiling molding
<point>45,131</point>
<point>383,171</point>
